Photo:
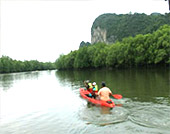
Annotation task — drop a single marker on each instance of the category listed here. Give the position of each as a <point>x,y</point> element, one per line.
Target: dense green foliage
<point>82,44</point>
<point>141,50</point>
<point>125,25</point>
<point>8,65</point>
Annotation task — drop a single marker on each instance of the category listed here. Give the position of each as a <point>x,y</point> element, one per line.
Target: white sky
<point>43,29</point>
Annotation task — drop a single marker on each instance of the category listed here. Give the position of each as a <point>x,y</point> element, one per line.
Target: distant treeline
<point>8,65</point>
<point>141,50</point>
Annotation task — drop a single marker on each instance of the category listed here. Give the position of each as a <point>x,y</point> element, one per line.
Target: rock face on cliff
<point>109,28</point>
<point>99,35</point>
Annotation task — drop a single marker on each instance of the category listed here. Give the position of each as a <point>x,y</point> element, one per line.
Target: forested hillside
<point>141,50</point>
<point>120,26</point>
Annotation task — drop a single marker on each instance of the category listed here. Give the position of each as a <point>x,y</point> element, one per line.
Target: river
<point>48,102</point>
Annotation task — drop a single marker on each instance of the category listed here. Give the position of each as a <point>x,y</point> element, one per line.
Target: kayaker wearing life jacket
<point>104,93</point>
<point>95,90</point>
<point>95,87</point>
<point>89,87</point>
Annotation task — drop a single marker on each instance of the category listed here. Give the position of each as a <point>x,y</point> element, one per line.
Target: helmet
<point>94,83</point>
<point>86,81</point>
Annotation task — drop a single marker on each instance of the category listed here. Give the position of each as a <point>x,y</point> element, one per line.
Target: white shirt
<point>104,93</point>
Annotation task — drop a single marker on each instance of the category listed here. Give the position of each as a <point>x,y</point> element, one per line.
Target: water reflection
<point>7,80</point>
<point>75,78</point>
<point>141,83</point>
<point>102,115</point>
<point>105,110</point>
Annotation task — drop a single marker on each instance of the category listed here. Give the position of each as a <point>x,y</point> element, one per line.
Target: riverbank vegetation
<point>8,65</point>
<point>141,50</point>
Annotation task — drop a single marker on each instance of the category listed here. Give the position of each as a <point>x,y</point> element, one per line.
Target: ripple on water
<point>103,115</point>
<point>153,115</point>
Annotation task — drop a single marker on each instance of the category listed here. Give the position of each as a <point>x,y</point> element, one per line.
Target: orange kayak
<point>84,93</point>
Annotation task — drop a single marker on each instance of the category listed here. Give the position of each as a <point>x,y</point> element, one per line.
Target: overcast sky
<point>43,29</point>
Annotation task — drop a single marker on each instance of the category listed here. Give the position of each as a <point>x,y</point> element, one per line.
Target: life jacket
<point>90,89</point>
<point>95,88</point>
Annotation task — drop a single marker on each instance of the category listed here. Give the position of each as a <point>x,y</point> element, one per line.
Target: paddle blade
<point>117,96</point>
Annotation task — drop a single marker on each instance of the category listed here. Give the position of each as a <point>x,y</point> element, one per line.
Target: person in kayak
<point>89,87</point>
<point>95,90</point>
<point>104,93</point>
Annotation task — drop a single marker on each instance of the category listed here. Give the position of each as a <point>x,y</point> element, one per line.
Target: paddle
<point>117,96</point>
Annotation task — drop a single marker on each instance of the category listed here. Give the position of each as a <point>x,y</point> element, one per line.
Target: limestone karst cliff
<point>109,28</point>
